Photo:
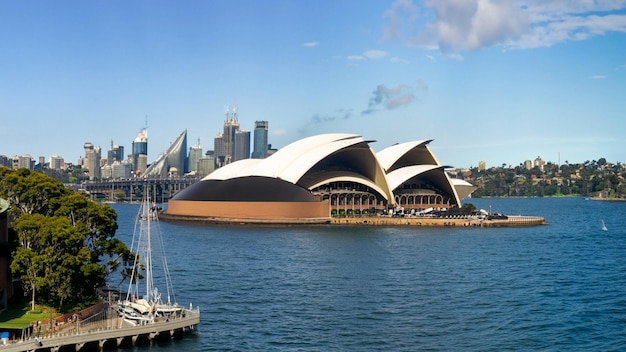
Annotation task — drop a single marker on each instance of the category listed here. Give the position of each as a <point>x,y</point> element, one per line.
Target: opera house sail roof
<point>319,175</point>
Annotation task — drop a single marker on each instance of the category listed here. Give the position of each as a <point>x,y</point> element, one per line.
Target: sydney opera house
<point>317,177</point>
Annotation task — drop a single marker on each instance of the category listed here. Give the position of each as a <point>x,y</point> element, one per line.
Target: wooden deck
<point>109,333</point>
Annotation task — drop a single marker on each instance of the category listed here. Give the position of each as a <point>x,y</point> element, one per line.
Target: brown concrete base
<point>512,221</point>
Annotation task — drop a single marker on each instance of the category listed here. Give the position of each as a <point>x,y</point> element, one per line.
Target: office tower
<point>92,156</point>
<point>260,140</point>
<point>195,154</point>
<point>56,162</point>
<point>242,145</point>
<point>116,153</point>
<point>140,151</point>
<point>23,161</point>
<point>232,144</point>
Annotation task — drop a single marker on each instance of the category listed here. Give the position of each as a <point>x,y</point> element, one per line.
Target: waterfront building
<point>173,162</point>
<point>315,177</point>
<point>260,140</point>
<point>140,152</point>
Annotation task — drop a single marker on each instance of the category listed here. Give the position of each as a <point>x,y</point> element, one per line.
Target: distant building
<point>23,161</point>
<point>482,166</point>
<point>115,154</point>
<point>206,165</point>
<point>57,163</point>
<point>195,154</point>
<point>140,152</point>
<point>92,161</point>
<point>121,170</point>
<point>242,145</point>
<point>232,144</point>
<point>539,163</point>
<point>6,161</point>
<point>260,140</point>
<point>528,164</point>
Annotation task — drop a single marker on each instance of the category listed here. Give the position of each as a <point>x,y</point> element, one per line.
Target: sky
<point>497,81</point>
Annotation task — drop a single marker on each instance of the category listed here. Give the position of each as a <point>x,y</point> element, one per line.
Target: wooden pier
<point>106,334</point>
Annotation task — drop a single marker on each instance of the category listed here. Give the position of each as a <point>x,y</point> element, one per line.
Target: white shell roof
<point>399,176</point>
<point>390,155</point>
<point>291,162</point>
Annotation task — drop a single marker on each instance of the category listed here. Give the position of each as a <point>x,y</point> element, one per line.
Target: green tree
<point>64,239</point>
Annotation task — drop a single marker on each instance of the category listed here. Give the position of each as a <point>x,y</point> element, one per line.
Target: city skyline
<point>501,82</point>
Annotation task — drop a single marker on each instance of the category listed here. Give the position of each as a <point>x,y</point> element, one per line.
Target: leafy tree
<point>64,239</point>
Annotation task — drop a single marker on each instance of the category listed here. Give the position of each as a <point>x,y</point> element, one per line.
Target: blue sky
<point>500,81</point>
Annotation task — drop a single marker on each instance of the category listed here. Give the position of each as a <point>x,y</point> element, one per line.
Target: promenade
<point>113,332</point>
<point>511,221</point>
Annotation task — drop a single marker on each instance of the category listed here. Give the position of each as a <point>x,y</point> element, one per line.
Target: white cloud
<point>598,77</point>
<point>375,54</point>
<point>355,58</point>
<point>279,132</point>
<point>311,44</point>
<point>453,26</point>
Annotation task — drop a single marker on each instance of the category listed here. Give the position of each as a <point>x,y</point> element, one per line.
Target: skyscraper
<point>233,144</point>
<point>195,154</point>
<point>115,154</point>
<point>92,163</point>
<point>260,140</point>
<point>140,151</point>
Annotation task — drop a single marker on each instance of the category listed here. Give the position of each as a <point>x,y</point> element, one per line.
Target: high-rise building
<point>23,161</point>
<point>260,140</point>
<point>116,153</point>
<point>242,145</point>
<point>140,148</point>
<point>233,144</point>
<point>195,154</point>
<point>92,160</point>
<point>56,162</point>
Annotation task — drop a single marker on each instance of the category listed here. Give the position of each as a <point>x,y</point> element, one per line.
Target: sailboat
<point>603,226</point>
<point>144,303</point>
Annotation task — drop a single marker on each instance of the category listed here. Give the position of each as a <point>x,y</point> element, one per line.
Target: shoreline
<point>510,221</point>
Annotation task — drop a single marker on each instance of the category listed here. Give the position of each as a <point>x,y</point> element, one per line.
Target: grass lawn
<point>19,315</point>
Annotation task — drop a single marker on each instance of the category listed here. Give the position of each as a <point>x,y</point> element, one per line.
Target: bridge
<point>133,189</point>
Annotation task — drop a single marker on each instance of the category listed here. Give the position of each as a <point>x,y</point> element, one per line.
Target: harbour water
<point>559,287</point>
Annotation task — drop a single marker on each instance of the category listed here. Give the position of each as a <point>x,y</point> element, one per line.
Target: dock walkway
<point>107,333</point>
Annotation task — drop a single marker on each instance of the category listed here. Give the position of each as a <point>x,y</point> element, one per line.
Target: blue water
<point>560,287</point>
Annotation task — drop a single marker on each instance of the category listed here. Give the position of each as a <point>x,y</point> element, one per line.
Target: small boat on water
<point>144,303</point>
<point>603,226</point>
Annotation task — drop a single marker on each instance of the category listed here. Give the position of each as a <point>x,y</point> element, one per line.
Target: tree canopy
<point>65,245</point>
